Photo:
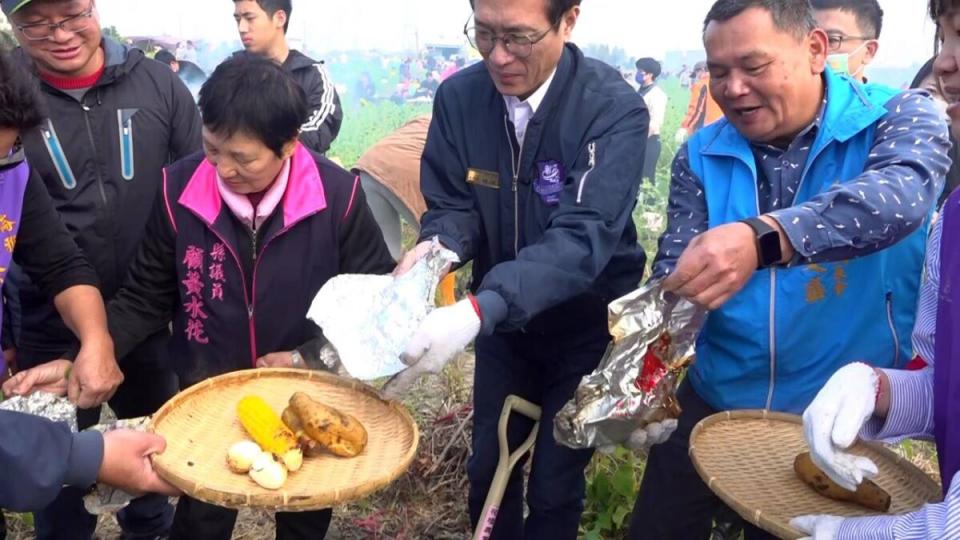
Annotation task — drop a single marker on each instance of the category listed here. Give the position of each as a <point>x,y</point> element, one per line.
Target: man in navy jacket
<point>531,170</point>
<point>39,457</point>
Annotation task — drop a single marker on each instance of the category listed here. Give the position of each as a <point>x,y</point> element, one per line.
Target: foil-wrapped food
<point>369,319</point>
<point>49,406</point>
<point>100,499</point>
<point>654,337</point>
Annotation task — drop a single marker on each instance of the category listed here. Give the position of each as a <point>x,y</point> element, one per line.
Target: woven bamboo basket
<point>200,424</point>
<point>746,458</point>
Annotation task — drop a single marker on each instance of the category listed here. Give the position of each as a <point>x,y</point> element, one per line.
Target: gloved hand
<point>443,333</point>
<point>818,527</point>
<point>681,136</point>
<point>833,420</point>
<point>643,438</point>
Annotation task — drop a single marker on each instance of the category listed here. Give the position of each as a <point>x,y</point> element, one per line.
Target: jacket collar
<point>848,111</point>
<point>304,195</point>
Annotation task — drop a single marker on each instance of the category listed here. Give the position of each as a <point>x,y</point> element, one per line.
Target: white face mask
<point>840,62</point>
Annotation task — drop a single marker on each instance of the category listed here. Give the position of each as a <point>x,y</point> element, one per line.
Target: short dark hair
<point>273,6</point>
<point>166,57</point>
<point>649,65</point>
<point>233,101</point>
<point>868,13</point>
<point>21,107</point>
<point>793,16</point>
<point>555,9</point>
<point>939,7</point>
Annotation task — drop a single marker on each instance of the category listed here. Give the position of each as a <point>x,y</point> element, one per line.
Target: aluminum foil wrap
<point>101,498</point>
<point>104,499</point>
<point>370,319</point>
<point>654,337</point>
<point>49,406</point>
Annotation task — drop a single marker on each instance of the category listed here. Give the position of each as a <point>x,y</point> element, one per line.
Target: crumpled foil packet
<point>370,319</point>
<point>49,406</point>
<point>654,338</point>
<point>104,499</point>
<point>101,499</point>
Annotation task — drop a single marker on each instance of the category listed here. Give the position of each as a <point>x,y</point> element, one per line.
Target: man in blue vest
<point>799,220</point>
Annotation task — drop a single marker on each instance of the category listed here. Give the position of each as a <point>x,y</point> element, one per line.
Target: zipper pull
<point>250,312</point>
<point>592,150</point>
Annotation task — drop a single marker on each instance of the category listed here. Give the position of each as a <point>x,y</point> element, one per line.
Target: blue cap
<point>11,6</point>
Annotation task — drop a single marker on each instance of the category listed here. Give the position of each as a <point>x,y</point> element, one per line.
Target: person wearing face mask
<point>853,30</point>
<point>894,404</point>
<point>800,221</point>
<point>240,240</point>
<point>656,99</point>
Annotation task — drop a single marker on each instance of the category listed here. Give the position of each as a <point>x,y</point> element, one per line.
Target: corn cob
<point>268,430</point>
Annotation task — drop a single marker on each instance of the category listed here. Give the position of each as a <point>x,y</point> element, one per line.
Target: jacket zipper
<point>96,154</point>
<point>893,331</point>
<point>773,336</point>
<point>514,159</point>
<point>592,163</point>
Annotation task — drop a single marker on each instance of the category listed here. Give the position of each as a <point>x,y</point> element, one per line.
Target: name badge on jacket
<point>483,178</point>
<point>549,182</point>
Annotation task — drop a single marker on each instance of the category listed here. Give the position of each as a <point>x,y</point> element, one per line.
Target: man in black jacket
<point>263,30</point>
<point>115,119</point>
<point>531,169</point>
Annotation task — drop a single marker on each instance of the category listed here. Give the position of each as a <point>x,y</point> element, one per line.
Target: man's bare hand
<point>95,375</point>
<point>715,266</point>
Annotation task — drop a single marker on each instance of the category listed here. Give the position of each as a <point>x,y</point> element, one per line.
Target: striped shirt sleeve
<point>911,392</point>
<point>941,520</point>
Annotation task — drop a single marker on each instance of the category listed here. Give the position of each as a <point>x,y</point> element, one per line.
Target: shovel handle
<point>506,462</point>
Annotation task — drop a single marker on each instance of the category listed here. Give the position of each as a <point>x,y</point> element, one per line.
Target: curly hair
<point>21,107</point>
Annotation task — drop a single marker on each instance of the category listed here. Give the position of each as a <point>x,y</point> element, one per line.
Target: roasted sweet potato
<point>340,433</point>
<point>311,448</point>
<point>868,494</point>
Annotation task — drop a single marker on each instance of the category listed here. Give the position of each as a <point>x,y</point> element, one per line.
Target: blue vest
<point>776,342</point>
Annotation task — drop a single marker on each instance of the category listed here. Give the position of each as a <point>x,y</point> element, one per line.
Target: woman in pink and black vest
<point>241,239</point>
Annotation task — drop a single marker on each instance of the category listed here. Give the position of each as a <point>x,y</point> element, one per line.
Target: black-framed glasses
<point>518,45</point>
<point>836,41</point>
<point>74,24</point>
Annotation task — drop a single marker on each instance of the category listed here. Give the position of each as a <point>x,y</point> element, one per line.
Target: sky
<point>642,27</point>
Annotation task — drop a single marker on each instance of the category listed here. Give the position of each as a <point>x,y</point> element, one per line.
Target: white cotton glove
<point>832,422</point>
<point>442,335</point>
<point>818,527</point>
<point>681,136</point>
<point>644,437</point>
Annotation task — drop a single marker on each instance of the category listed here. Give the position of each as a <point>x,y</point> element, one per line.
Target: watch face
<point>769,243</point>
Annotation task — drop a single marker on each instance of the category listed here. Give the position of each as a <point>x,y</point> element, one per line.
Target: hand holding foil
<point>370,319</point>
<point>654,336</point>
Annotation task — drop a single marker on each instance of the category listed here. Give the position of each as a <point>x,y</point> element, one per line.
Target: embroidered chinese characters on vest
<point>203,283</point>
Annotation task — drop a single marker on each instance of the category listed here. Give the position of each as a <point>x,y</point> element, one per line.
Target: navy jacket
<point>548,226</point>
<point>38,457</point>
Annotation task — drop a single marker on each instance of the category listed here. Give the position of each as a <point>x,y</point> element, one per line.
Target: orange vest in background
<point>702,110</point>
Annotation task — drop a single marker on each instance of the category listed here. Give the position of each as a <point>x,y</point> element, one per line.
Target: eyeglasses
<point>518,45</point>
<point>835,41</point>
<point>40,31</point>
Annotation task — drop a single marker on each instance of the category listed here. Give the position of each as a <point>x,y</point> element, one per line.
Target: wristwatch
<point>768,242</point>
<point>296,360</point>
